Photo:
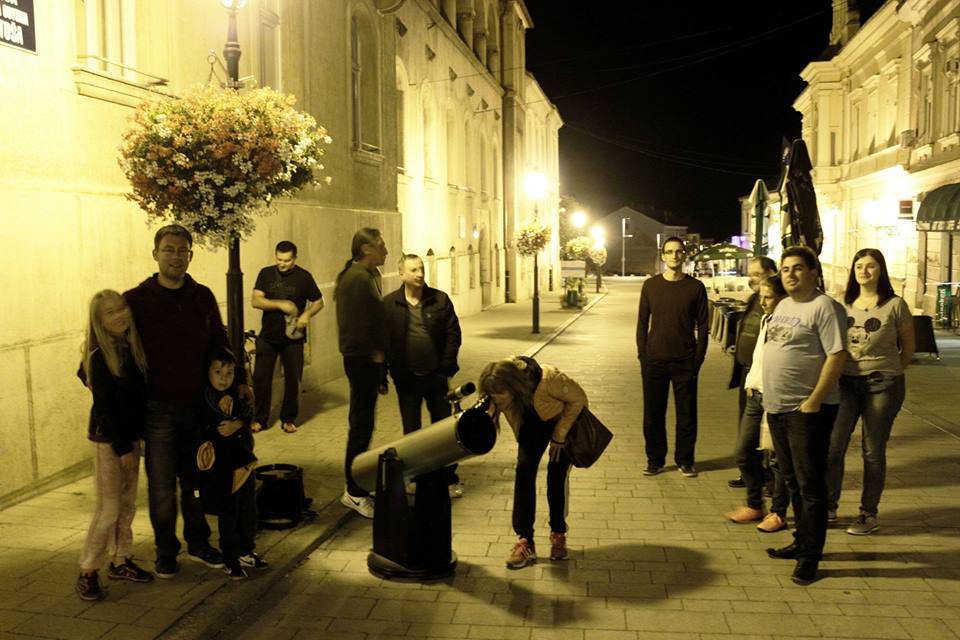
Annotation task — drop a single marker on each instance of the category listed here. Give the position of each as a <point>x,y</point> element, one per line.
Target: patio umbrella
<point>722,251</point>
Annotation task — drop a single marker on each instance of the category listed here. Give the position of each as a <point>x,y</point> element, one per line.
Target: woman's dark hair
<point>775,283</point>
<point>884,288</point>
<point>513,375</point>
<point>367,235</point>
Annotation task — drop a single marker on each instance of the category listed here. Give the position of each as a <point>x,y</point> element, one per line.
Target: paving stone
<point>63,627</point>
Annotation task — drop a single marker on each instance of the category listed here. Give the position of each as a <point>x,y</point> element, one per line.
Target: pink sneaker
<point>558,546</point>
<point>521,555</point>
<point>743,515</point>
<point>772,523</point>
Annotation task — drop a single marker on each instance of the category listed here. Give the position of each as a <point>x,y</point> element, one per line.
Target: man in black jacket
<point>180,326</point>
<point>424,343</point>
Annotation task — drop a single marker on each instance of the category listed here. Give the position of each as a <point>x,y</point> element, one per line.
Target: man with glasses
<point>671,345</point>
<point>180,325</point>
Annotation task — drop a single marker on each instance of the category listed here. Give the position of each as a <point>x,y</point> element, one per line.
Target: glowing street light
<point>599,235</point>
<point>578,219</point>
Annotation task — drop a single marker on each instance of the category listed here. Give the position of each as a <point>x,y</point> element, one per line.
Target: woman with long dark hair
<point>362,328</point>
<point>881,343</point>
<point>541,404</point>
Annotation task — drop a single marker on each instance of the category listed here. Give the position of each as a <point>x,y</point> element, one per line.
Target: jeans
<point>801,441</point>
<point>111,528</point>
<point>414,390</point>
<point>748,458</point>
<point>365,377</point>
<point>291,355</point>
<point>657,377</point>
<point>238,525</point>
<point>878,408</point>
<point>532,441</point>
<point>169,435</point>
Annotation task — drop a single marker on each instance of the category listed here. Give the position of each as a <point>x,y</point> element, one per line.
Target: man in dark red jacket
<point>180,326</point>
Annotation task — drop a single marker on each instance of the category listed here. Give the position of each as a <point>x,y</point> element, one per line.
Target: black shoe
<point>88,587</point>
<point>254,560</point>
<point>165,567</point>
<point>805,572</point>
<point>688,471</point>
<point>736,483</point>
<point>208,556</point>
<point>234,570</point>
<point>788,552</point>
<point>129,571</point>
<point>652,469</point>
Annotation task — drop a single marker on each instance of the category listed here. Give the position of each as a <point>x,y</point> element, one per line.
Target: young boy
<point>226,462</point>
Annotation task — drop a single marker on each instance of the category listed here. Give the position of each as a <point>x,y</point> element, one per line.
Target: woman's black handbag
<point>587,439</point>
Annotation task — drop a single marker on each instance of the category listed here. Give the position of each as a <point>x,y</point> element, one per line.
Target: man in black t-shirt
<point>289,297</point>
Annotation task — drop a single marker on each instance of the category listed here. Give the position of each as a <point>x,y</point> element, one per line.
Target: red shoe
<point>558,546</point>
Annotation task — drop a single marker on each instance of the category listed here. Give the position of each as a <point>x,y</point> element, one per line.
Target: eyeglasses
<point>180,253</point>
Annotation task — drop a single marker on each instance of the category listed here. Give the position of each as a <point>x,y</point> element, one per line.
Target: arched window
<point>429,138</point>
<point>401,115</point>
<point>483,167</point>
<point>496,259</point>
<point>431,268</point>
<point>365,83</point>
<point>472,262</point>
<point>454,280</point>
<point>452,173</point>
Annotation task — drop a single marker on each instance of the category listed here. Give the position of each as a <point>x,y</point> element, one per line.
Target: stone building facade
<point>435,122</point>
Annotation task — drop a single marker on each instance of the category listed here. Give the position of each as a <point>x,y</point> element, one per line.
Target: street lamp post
<point>536,188</point>
<point>599,242</point>
<point>231,53</point>
<point>623,246</point>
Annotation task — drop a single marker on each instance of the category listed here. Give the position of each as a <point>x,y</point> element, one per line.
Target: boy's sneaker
<point>688,471</point>
<point>652,469</point>
<point>831,515</point>
<point>864,525</point>
<point>254,560</point>
<point>234,570</point>
<point>208,556</point>
<point>522,555</point>
<point>558,546</point>
<point>88,587</point>
<point>166,567</point>
<point>129,571</point>
<point>363,506</point>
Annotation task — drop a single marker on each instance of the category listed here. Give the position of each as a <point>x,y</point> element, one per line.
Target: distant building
<point>642,249</point>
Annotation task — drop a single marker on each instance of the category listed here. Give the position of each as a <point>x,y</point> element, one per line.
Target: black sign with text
<point>16,24</point>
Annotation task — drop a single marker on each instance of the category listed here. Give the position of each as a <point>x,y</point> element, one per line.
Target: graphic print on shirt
<point>858,336</point>
<point>781,328</point>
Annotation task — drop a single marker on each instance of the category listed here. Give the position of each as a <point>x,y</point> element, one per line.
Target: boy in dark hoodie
<point>226,462</point>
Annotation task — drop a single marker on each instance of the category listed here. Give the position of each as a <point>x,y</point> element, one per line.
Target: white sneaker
<point>363,506</point>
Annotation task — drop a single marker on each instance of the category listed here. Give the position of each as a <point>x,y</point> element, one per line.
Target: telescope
<point>412,534</point>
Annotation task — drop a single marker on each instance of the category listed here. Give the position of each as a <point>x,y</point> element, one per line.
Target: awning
<point>940,209</point>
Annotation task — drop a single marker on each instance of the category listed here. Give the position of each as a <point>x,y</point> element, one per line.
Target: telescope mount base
<point>389,570</point>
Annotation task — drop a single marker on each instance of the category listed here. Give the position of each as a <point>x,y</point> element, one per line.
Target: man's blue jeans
<point>168,435</point>
<point>802,441</point>
<point>861,398</point>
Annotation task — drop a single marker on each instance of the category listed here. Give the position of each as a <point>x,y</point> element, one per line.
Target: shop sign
<point>906,210</point>
<point>16,25</point>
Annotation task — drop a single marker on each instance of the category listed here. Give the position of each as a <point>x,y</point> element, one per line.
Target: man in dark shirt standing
<point>180,325</point>
<point>671,345</point>
<point>424,343</point>
<point>289,297</point>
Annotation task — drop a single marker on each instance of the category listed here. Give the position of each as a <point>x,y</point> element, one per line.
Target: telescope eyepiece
<point>461,392</point>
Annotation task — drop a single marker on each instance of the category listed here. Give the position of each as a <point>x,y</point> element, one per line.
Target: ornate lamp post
<point>231,53</point>
<point>599,235</point>
<point>535,185</point>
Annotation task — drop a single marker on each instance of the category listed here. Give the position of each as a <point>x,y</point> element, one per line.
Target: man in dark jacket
<point>424,343</point>
<point>180,326</point>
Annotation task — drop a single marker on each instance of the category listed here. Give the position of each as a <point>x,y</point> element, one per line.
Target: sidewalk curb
<point>213,614</point>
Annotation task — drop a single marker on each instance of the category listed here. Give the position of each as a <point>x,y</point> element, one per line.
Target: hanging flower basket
<point>531,239</point>
<point>576,248</point>
<point>214,158</point>
<point>597,256</point>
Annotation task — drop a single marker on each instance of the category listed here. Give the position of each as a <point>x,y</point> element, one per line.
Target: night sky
<point>675,107</point>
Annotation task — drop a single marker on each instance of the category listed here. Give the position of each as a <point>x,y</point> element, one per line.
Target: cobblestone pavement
<point>651,557</point>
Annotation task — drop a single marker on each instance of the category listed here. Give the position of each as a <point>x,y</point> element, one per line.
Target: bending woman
<point>540,404</point>
<point>881,344</point>
<point>113,367</point>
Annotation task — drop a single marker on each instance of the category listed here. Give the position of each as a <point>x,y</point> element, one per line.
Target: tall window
<point>106,36</point>
<point>269,48</point>
<point>365,81</point>
<point>454,272</point>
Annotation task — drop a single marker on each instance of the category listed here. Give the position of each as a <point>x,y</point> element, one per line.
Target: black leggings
<point>532,440</point>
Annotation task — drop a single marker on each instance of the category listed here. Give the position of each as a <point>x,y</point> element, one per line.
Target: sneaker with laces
<point>522,555</point>
<point>253,559</point>
<point>166,567</point>
<point>88,587</point>
<point>772,523</point>
<point>688,471</point>
<point>234,570</point>
<point>864,525</point>
<point>129,571</point>
<point>558,546</point>
<point>363,506</point>
<point>744,514</point>
<point>208,556</point>
<point>652,469</point>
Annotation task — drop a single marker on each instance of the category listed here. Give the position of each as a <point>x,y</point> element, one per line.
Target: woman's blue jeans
<point>864,397</point>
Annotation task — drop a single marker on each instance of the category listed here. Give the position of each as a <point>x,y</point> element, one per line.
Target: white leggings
<point>112,525</point>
